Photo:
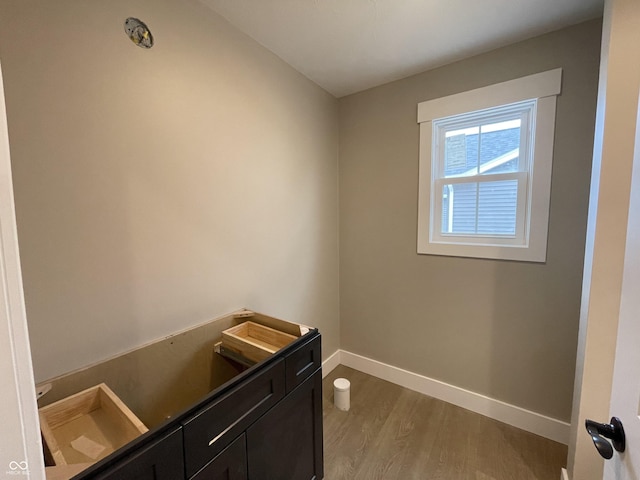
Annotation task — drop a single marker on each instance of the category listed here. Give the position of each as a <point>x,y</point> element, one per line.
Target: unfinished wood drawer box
<point>254,341</point>
<point>90,419</point>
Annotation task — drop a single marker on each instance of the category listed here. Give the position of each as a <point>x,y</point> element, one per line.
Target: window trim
<point>543,87</point>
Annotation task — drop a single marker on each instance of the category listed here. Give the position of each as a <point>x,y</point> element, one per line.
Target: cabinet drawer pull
<point>247,413</point>
<point>301,372</point>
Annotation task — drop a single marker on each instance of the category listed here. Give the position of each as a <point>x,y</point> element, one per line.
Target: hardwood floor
<point>392,433</point>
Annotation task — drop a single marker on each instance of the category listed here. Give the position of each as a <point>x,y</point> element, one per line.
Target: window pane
<point>500,147</point>
<point>485,208</point>
<point>497,206</point>
<point>493,146</point>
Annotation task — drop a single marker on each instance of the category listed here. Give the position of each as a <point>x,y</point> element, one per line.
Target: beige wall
<point>158,189</point>
<point>509,329</point>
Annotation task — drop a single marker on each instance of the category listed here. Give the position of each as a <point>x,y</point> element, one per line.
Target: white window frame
<point>525,111</point>
<point>530,242</point>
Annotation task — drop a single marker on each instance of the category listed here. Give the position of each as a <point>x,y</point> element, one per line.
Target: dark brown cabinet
<point>286,443</point>
<point>266,424</point>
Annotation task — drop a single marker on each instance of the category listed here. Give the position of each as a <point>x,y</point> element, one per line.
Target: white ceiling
<point>346,46</point>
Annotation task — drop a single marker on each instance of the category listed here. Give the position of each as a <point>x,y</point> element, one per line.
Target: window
<point>485,170</point>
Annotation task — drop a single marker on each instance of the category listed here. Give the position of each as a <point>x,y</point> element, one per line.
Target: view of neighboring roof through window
<point>506,137</point>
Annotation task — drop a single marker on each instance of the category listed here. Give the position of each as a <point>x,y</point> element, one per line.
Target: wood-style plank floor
<point>392,433</point>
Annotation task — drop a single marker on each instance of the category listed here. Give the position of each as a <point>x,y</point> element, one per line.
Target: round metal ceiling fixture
<point>138,32</point>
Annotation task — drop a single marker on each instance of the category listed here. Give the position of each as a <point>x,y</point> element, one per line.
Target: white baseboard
<point>533,422</point>
<point>564,475</point>
<point>330,363</point>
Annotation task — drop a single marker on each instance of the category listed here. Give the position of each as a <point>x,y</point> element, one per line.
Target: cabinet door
<point>159,460</point>
<point>286,443</point>
<point>231,464</point>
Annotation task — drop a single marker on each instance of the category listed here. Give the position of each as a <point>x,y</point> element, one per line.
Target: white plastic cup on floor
<point>341,393</point>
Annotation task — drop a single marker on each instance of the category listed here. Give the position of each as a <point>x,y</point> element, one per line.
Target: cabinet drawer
<point>302,363</point>
<point>210,430</point>
<point>159,460</point>
<point>231,464</point>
